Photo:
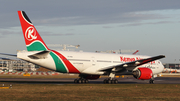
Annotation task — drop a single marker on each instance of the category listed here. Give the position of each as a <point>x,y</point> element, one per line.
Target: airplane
<point>88,65</point>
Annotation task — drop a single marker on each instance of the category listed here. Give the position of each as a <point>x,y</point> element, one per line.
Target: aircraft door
<point>93,61</point>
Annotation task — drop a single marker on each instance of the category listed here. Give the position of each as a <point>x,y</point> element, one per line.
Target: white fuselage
<point>91,63</point>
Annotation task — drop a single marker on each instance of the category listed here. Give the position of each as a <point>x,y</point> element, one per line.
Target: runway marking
<point>4,87</point>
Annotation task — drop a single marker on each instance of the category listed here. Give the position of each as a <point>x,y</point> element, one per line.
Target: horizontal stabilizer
<point>4,58</point>
<point>8,54</point>
<point>39,55</point>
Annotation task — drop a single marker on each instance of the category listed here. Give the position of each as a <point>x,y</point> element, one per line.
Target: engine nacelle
<point>90,77</point>
<point>143,73</point>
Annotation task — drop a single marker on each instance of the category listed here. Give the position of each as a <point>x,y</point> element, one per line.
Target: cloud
<point>4,33</point>
<point>81,12</point>
<point>139,23</point>
<point>107,27</point>
<point>14,31</point>
<point>91,20</point>
<point>56,34</point>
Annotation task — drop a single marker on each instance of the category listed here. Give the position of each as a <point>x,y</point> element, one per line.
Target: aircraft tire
<point>83,81</point>
<point>79,81</point>
<point>116,81</point>
<point>109,81</point>
<point>151,81</point>
<point>86,81</point>
<point>76,81</point>
<point>105,81</point>
<point>112,81</point>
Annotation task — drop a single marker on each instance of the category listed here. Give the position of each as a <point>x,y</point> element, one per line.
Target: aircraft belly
<point>81,66</point>
<point>92,70</point>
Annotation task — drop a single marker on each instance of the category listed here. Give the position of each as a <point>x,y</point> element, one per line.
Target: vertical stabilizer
<point>32,38</point>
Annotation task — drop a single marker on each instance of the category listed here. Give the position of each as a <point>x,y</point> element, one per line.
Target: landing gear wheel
<point>151,81</point>
<point>116,81</point>
<point>108,81</point>
<point>86,81</point>
<point>76,81</point>
<point>80,80</point>
<point>112,81</point>
<point>105,81</point>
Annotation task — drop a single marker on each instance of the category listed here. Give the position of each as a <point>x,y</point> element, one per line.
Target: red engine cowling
<point>143,73</point>
<point>90,77</point>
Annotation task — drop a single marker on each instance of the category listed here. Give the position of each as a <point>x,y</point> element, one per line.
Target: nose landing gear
<point>151,81</point>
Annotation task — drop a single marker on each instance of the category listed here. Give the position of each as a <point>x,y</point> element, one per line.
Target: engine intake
<point>143,73</point>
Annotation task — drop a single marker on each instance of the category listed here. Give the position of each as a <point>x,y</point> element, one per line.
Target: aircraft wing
<point>8,54</point>
<point>133,64</point>
<point>4,58</point>
<point>39,55</point>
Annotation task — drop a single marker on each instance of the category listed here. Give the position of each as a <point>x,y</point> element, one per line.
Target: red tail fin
<point>32,38</point>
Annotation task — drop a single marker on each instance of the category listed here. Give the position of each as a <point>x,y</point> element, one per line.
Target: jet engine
<point>143,73</point>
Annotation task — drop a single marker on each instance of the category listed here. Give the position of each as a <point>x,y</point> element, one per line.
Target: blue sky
<point>151,26</point>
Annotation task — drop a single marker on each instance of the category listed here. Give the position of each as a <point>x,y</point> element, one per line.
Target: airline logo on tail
<point>34,42</point>
<point>32,38</point>
<point>30,34</point>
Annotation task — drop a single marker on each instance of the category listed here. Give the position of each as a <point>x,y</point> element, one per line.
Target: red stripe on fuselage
<point>70,67</point>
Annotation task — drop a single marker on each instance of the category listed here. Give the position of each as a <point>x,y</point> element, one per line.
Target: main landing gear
<point>151,81</point>
<point>81,80</point>
<point>110,81</point>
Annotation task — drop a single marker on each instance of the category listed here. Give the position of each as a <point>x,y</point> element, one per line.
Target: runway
<point>129,80</point>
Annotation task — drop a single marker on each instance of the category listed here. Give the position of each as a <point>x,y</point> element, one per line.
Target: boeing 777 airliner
<point>87,65</point>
